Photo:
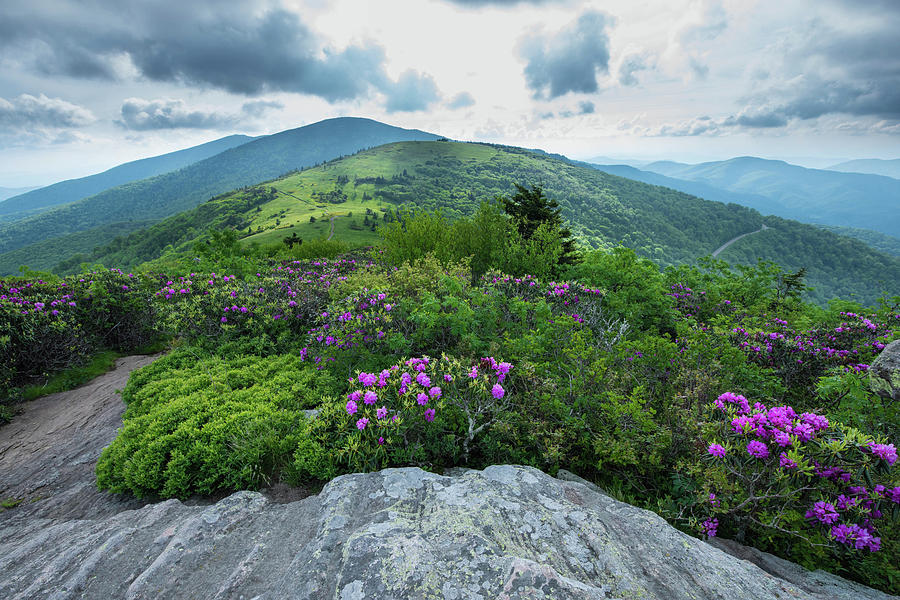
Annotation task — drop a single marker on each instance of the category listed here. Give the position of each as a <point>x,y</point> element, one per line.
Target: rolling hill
<point>360,191</point>
<point>807,195</point>
<point>170,193</point>
<point>73,190</point>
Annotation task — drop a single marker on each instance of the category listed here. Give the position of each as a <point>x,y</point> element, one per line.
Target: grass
<point>300,194</point>
<point>72,378</point>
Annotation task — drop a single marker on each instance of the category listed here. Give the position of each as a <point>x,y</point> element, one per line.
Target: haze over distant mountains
<point>72,190</point>
<point>873,166</point>
<point>775,187</point>
<point>7,192</point>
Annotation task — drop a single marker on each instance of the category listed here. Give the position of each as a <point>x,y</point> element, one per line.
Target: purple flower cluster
<point>40,299</point>
<point>823,512</point>
<point>710,527</point>
<point>849,516</point>
<point>856,537</point>
<point>419,388</point>
<point>575,300</point>
<point>856,500</point>
<point>780,425</point>
<point>291,293</point>
<point>362,321</point>
<point>805,354</point>
<point>717,450</point>
<point>886,452</point>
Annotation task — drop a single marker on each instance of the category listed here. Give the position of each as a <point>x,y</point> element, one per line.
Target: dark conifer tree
<point>530,208</point>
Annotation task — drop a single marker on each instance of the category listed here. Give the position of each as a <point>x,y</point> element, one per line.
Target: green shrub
<point>200,424</point>
<point>477,418</point>
<point>49,327</point>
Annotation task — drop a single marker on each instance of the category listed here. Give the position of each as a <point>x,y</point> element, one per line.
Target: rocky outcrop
<point>884,372</point>
<point>504,532</point>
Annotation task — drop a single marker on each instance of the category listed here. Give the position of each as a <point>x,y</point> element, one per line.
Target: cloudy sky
<point>88,84</point>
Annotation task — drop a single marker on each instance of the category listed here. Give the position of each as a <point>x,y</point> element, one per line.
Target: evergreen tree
<point>530,208</point>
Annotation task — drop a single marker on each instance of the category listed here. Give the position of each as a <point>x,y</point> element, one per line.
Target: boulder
<point>504,532</point>
<point>884,372</point>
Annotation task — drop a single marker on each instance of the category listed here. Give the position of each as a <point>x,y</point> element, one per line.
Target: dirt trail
<point>48,453</point>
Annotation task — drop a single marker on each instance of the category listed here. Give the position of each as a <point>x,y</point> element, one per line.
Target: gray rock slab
<point>505,532</point>
<point>884,372</point>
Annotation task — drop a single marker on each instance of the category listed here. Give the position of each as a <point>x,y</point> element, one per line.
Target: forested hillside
<point>881,242</point>
<point>603,210</point>
<point>877,240</point>
<point>171,193</point>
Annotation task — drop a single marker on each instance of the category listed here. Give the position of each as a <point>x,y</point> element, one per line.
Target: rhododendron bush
<point>702,393</point>
<point>799,474</point>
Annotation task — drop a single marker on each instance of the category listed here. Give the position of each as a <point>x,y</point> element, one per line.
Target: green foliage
<point>537,216</point>
<point>487,240</point>
<point>47,327</point>
<point>633,286</point>
<point>73,377</point>
<point>879,241</point>
<point>203,424</point>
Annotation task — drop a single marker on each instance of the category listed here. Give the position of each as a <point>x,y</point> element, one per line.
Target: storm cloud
<point>143,115</point>
<point>232,46</point>
<point>856,73</point>
<point>569,60</point>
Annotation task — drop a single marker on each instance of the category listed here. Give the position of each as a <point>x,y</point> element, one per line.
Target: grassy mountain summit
<point>352,195</point>
<point>793,192</point>
<point>171,193</point>
<point>73,190</point>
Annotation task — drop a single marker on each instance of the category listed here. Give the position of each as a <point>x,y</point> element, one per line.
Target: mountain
<point>362,190</point>
<point>808,195</point>
<point>170,193</point>
<point>606,160</point>
<point>72,190</point>
<point>695,188</point>
<point>6,192</point>
<point>873,166</point>
<point>877,240</point>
